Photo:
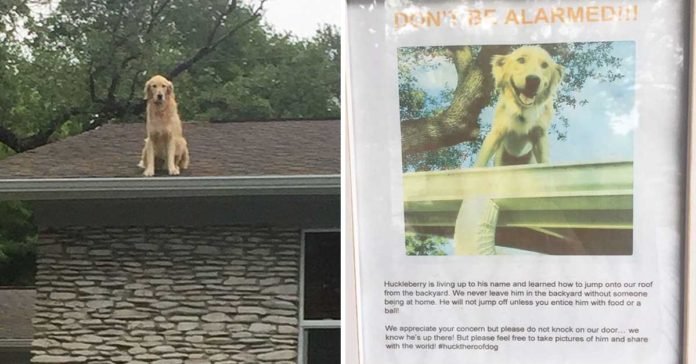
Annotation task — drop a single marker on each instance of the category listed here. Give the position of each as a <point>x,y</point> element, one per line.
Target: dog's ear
<point>560,71</point>
<point>170,88</point>
<point>556,78</point>
<point>147,94</point>
<point>497,65</point>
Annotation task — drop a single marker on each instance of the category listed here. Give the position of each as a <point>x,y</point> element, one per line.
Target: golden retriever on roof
<point>527,80</point>
<point>165,140</point>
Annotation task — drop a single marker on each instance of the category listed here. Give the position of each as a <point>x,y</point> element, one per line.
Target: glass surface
<point>322,276</point>
<point>323,346</point>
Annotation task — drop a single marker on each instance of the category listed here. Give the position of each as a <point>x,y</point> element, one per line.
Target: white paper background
<point>658,194</point>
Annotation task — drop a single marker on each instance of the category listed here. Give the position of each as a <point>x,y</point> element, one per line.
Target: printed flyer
<point>518,180</point>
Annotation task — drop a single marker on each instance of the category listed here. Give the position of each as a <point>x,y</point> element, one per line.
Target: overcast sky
<point>302,17</point>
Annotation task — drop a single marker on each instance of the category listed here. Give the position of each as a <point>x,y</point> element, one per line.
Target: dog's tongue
<point>526,99</point>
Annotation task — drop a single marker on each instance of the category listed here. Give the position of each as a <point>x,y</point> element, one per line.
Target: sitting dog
<point>527,80</point>
<point>181,154</point>
<point>165,140</point>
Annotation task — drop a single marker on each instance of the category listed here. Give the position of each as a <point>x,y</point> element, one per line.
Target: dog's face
<point>529,73</point>
<point>158,89</point>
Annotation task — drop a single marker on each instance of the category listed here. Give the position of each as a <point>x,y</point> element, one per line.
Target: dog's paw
<point>174,171</point>
<point>141,164</point>
<point>149,173</point>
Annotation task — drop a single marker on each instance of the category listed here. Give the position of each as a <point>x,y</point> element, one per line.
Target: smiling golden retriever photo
<point>518,148</point>
<point>165,141</point>
<point>527,80</point>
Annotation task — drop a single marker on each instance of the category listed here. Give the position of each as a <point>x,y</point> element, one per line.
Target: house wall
<point>167,295</point>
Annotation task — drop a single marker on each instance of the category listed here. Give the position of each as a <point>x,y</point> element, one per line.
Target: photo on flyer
<point>556,142</point>
<point>518,149</point>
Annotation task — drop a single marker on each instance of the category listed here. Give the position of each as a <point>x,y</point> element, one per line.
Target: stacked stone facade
<point>167,295</point>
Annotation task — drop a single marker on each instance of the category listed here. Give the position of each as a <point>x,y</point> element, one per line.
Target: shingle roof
<point>220,149</point>
<point>16,312</point>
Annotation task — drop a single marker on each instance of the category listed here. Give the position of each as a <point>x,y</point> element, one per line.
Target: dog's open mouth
<point>525,96</point>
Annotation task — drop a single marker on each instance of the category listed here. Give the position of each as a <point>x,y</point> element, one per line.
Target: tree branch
<point>21,144</point>
<point>213,44</point>
<point>459,122</point>
<point>9,138</point>
<point>154,14</point>
<point>92,87</point>
<point>116,76</point>
<point>134,81</point>
<point>231,6</point>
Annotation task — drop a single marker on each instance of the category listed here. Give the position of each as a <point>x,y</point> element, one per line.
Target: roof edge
<point>174,187</point>
<point>15,343</point>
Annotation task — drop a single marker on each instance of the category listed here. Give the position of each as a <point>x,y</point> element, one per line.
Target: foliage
<point>421,244</point>
<point>17,244</point>
<point>291,79</point>
<point>582,62</point>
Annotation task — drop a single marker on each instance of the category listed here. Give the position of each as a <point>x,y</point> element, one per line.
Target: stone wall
<point>167,295</point>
